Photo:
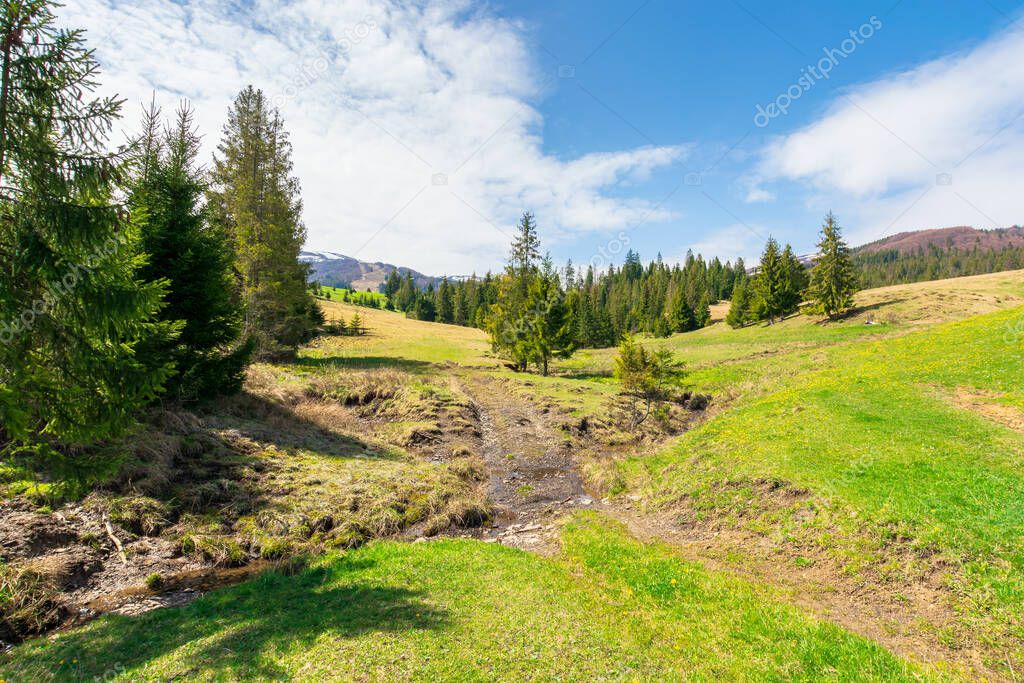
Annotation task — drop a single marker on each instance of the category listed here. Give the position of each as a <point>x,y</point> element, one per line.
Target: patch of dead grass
<point>985,403</point>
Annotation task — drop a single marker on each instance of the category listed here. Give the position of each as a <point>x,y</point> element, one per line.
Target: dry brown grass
<point>929,303</point>
<point>29,603</point>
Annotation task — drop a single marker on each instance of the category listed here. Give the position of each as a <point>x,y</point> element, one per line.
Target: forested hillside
<point>902,259</point>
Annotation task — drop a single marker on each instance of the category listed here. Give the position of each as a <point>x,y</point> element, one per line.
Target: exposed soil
<point>531,453</point>
<point>230,496</point>
<point>72,551</point>
<point>984,403</point>
<point>532,476</point>
<point>535,480</point>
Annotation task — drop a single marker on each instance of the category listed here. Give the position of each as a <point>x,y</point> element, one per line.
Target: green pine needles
<point>194,256</point>
<point>834,278</point>
<point>255,198</point>
<point>74,312</point>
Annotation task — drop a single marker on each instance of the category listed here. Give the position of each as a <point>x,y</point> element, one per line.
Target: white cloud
<point>380,97</point>
<point>877,155</point>
<point>758,194</point>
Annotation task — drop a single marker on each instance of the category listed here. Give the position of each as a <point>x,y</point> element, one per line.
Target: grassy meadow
<point>888,453</point>
<point>608,608</point>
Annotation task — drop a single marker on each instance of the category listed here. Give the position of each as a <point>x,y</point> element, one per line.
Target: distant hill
<point>337,270</point>
<point>960,238</point>
<point>939,254</point>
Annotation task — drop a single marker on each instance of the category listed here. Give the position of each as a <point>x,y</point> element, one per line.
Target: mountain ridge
<point>338,270</point>
<point>958,237</point>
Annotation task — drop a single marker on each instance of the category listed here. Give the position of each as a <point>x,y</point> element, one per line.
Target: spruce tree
<point>255,198</point>
<point>680,316</point>
<point>795,281</point>
<point>549,322</point>
<point>771,283</point>
<point>392,284</point>
<point>525,247</point>
<point>740,310</point>
<point>702,314</point>
<point>531,322</point>
<point>508,322</point>
<point>445,303</point>
<point>405,297</point>
<point>833,279</point>
<point>73,313</point>
<point>193,256</point>
<point>355,326</point>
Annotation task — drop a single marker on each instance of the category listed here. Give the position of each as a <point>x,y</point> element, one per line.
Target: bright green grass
<point>874,427</point>
<point>355,296</point>
<point>608,609</point>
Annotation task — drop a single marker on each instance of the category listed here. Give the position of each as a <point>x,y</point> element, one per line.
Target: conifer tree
<point>740,310</point>
<point>833,279</point>
<point>194,257</point>
<point>73,312</point>
<point>392,284</point>
<point>549,325</point>
<point>680,316</point>
<point>355,326</point>
<point>525,247</point>
<point>423,307</point>
<point>795,281</point>
<point>771,282</point>
<point>702,315</point>
<point>445,303</point>
<point>405,297</point>
<point>255,198</point>
<point>530,322</point>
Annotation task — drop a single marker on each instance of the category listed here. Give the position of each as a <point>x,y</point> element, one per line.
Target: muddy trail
<point>534,483</point>
<point>533,479</point>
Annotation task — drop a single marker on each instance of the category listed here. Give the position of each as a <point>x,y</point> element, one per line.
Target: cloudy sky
<point>422,129</point>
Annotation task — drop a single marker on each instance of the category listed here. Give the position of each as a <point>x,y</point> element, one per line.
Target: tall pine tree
<point>833,279</point>
<point>771,283</point>
<point>73,312</point>
<point>195,258</point>
<point>255,198</point>
<point>795,281</point>
<point>740,310</point>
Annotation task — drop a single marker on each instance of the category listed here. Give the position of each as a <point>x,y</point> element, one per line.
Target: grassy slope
<point>803,403</point>
<point>396,341</point>
<point>607,609</point>
<point>872,431</point>
<point>338,292</point>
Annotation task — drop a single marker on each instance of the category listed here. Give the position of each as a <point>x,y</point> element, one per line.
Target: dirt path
<point>534,482</point>
<point>533,478</point>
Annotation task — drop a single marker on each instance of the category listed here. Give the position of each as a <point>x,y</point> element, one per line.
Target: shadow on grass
<point>365,363</point>
<point>277,424</point>
<point>240,632</point>
<point>857,310</point>
<point>591,376</point>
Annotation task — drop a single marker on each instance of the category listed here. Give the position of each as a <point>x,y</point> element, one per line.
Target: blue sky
<point>422,129</point>
<point>666,73</point>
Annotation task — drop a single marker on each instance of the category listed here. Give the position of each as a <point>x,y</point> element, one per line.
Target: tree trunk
<point>5,94</point>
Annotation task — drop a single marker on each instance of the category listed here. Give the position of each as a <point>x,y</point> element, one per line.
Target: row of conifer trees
<point>130,275</point>
<point>602,308</point>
